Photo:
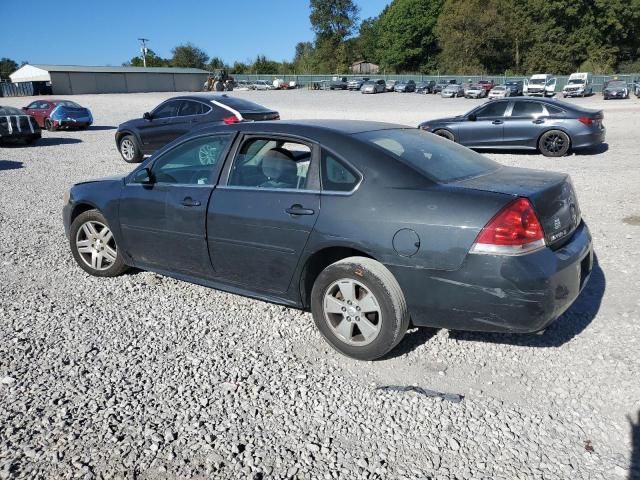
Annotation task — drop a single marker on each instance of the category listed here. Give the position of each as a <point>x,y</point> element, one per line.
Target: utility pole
<point>143,49</point>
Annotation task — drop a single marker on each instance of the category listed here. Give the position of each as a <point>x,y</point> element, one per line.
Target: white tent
<point>30,73</point>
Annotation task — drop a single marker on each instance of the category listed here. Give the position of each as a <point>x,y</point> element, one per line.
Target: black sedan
<point>615,89</point>
<point>426,86</point>
<point>15,125</point>
<point>178,115</point>
<point>370,226</point>
<point>550,126</point>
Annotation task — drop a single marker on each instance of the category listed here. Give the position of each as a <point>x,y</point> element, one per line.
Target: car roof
<point>308,128</point>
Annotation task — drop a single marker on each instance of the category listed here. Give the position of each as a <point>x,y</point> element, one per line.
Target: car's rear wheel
<point>359,308</point>
<point>93,246</point>
<point>130,150</point>
<point>445,134</point>
<point>554,143</point>
<point>48,124</point>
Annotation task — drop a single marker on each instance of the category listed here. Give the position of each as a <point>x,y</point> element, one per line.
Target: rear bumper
<point>590,138</point>
<point>500,294</point>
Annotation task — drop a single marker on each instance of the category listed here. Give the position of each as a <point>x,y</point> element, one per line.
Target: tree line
<point>514,37</point>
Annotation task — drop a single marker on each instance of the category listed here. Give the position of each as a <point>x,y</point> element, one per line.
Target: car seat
<point>280,169</point>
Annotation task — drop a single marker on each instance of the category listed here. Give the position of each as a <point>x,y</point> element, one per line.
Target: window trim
<point>314,165</point>
<point>152,161</point>
<point>348,164</point>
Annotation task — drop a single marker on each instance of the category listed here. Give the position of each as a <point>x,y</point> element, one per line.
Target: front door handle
<point>190,202</point>
<point>298,209</point>
<point>497,122</point>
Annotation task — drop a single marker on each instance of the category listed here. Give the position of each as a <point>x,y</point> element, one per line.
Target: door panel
<point>160,130</point>
<point>253,241</point>
<point>525,124</point>
<point>487,129</point>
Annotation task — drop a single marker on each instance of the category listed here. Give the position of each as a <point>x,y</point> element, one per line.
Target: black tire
<point>132,152</point>
<point>116,268</point>
<point>445,134</point>
<point>48,124</point>
<point>554,143</point>
<point>375,277</point>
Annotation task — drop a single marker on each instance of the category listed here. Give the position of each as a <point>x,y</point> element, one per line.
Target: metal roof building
<point>77,79</point>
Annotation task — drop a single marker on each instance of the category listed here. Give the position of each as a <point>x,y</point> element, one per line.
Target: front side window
<point>441,160</point>
<point>169,109</point>
<point>527,109</point>
<point>336,176</point>
<point>492,110</point>
<point>271,163</point>
<point>194,162</point>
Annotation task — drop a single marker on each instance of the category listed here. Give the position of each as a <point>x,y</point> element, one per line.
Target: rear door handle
<point>497,122</point>
<point>298,209</point>
<point>190,202</point>
<point>538,122</point>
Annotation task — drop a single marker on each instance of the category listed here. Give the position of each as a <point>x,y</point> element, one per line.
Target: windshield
<point>11,111</point>
<point>616,84</point>
<point>499,88</point>
<point>441,160</point>
<point>369,83</point>
<point>537,81</point>
<point>576,81</point>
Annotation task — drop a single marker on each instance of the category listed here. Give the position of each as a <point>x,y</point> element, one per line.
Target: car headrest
<point>276,164</point>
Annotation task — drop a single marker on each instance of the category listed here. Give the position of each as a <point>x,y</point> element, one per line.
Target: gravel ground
<point>144,376</point>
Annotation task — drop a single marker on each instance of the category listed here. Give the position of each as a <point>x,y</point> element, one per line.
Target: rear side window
<point>192,108</point>
<point>441,160</point>
<point>527,109</point>
<point>336,176</point>
<point>553,110</point>
<point>493,109</point>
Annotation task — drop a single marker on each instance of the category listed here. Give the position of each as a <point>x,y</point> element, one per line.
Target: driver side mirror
<point>147,116</point>
<point>143,176</point>
<point>472,117</point>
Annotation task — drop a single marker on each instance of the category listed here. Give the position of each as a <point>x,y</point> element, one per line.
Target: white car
<point>475,91</point>
<point>499,91</point>
<point>262,85</point>
<point>452,91</point>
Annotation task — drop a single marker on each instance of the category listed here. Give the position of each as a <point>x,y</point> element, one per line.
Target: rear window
<point>439,159</point>
<point>241,105</point>
<point>11,111</point>
<point>68,103</point>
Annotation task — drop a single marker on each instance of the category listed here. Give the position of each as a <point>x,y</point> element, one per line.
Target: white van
<point>542,84</point>
<point>579,84</point>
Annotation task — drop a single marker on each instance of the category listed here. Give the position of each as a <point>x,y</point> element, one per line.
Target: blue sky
<point>105,32</point>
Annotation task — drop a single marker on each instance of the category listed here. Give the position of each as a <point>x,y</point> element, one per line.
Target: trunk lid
<point>551,194</point>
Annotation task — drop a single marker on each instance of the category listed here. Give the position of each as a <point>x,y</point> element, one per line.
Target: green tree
<point>153,60</point>
<point>262,65</point>
<point>7,67</point>
<point>405,36</point>
<point>333,22</point>
<point>240,67</point>
<point>188,56</point>
<point>216,63</point>
<point>304,60</point>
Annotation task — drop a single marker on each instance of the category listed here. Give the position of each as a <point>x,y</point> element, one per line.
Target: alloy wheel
<point>208,154</point>
<point>128,149</point>
<point>554,143</point>
<point>96,245</point>
<point>352,312</point>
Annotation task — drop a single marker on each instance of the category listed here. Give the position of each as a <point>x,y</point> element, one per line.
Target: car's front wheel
<point>94,247</point>
<point>445,134</point>
<point>554,143</point>
<point>130,150</point>
<point>359,308</point>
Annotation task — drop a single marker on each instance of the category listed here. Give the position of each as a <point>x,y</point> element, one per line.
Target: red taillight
<point>586,120</point>
<point>513,231</point>
<point>230,120</point>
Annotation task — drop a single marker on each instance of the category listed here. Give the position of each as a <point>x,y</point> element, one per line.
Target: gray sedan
<point>372,227</point>
<point>550,126</point>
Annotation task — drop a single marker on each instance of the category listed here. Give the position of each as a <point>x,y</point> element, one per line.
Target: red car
<point>487,85</point>
<point>55,114</point>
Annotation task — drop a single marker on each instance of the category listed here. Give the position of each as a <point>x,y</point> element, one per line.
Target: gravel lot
<point>144,376</point>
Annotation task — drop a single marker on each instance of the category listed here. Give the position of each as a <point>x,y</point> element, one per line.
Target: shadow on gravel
<point>9,165</point>
<point>412,340</point>
<point>581,152</point>
<point>102,127</point>
<point>634,467</point>
<point>568,326</point>
<point>51,141</point>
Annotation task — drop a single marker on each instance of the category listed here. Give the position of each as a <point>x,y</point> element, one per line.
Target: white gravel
<point>144,376</point>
